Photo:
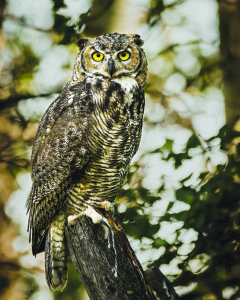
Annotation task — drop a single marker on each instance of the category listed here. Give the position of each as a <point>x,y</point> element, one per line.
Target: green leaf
<point>158,242</point>
<point>186,195</point>
<point>168,146</point>
<point>170,205</point>
<point>186,178</point>
<point>161,189</point>
<point>193,142</point>
<point>138,225</point>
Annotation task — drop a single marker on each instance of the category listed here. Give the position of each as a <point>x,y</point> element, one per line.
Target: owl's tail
<point>56,254</point>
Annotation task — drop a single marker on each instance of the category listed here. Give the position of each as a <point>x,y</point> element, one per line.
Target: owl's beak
<point>111,67</point>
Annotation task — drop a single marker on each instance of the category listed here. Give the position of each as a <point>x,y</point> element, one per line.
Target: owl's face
<point>112,56</point>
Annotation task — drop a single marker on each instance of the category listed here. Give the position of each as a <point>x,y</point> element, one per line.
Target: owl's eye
<point>97,56</point>
<point>124,55</point>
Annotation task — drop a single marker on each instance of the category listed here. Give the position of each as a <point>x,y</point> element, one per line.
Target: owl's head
<point>112,56</point>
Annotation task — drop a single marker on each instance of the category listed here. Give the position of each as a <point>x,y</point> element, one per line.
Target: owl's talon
<point>97,218</point>
<point>104,223</point>
<point>113,209</point>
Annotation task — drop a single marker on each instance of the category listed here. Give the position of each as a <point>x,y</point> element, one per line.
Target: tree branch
<point>106,262</point>
<point>161,285</point>
<point>14,99</point>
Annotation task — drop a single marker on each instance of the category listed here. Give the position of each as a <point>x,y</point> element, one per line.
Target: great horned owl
<point>85,142</point>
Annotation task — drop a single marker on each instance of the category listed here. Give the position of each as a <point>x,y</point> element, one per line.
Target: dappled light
<point>180,203</point>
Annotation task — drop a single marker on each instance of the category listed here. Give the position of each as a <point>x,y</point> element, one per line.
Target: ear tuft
<point>137,39</point>
<point>82,43</point>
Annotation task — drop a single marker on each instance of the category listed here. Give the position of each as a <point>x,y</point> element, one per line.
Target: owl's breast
<point>113,137</point>
<point>116,120</point>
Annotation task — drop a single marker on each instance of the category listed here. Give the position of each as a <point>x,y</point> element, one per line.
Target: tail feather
<point>56,255</point>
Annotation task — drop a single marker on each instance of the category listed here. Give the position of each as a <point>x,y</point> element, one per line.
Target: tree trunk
<point>108,266</point>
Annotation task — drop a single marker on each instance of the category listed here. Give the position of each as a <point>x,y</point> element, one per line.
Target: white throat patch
<point>127,83</point>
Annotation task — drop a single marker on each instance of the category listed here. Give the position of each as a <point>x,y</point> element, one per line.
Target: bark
<point>161,285</point>
<point>108,266</point>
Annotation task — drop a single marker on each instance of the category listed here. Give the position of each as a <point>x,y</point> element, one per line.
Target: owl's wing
<point>59,152</point>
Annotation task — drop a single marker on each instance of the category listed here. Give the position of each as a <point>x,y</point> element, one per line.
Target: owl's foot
<point>91,213</point>
<point>108,206</point>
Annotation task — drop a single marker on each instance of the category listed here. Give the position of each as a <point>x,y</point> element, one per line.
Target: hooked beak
<point>111,67</point>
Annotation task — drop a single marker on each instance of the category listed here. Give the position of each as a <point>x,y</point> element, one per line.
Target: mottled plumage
<point>85,142</point>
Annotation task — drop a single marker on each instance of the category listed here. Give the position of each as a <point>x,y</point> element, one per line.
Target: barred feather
<point>84,144</point>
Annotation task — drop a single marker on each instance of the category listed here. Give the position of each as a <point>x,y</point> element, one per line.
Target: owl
<point>85,143</point>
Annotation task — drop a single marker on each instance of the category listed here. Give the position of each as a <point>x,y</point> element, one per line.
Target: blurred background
<point>180,204</point>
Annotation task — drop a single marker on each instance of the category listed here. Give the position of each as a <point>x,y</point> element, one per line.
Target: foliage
<point>70,32</point>
<point>213,214</point>
<point>209,257</point>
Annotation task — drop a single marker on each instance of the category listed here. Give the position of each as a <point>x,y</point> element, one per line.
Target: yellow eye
<point>97,56</point>
<point>124,55</point>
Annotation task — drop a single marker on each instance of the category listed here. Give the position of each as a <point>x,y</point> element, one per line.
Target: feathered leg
<point>56,254</point>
